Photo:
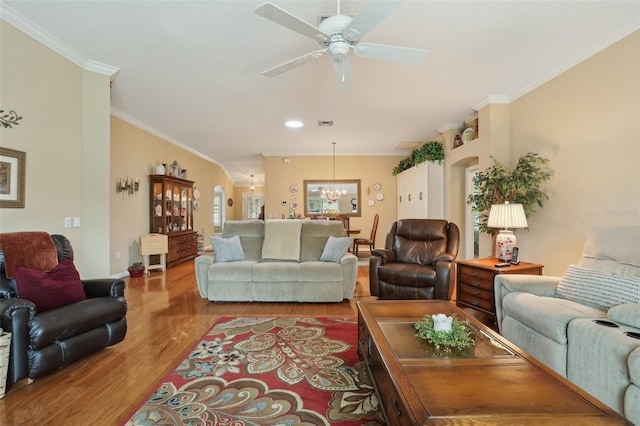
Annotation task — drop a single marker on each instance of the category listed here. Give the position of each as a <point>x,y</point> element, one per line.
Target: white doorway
<point>218,209</point>
<point>471,220</point>
<point>252,203</point>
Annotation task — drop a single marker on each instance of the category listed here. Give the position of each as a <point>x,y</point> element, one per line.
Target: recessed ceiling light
<point>293,124</point>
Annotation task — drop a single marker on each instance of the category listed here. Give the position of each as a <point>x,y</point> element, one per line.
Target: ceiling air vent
<point>327,123</point>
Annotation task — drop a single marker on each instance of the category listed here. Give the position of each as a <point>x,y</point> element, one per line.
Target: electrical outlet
<point>67,222</point>
<point>76,222</point>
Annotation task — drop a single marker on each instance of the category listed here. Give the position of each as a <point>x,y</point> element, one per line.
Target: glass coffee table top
<point>402,338</point>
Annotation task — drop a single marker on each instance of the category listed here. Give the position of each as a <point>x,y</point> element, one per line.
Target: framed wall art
<point>12,178</point>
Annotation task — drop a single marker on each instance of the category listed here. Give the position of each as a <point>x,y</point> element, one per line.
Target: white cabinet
<point>421,192</point>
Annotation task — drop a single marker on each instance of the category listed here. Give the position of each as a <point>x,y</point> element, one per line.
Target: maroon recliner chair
<point>418,261</point>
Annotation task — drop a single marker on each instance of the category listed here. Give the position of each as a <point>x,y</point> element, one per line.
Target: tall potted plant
<point>497,184</point>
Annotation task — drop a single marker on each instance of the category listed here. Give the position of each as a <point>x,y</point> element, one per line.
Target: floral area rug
<point>268,371</point>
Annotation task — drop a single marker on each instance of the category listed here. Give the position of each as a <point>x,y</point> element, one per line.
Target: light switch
<point>76,222</point>
<point>67,222</point>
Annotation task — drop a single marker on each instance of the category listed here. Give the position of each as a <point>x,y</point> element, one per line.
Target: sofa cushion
<point>627,314</point>
<point>416,243</point>
<point>598,289</point>
<point>227,249</point>
<point>251,234</point>
<point>335,248</point>
<point>231,271</point>
<point>275,272</point>
<point>282,239</point>
<point>320,272</point>
<point>58,287</point>
<point>314,235</point>
<point>549,316</point>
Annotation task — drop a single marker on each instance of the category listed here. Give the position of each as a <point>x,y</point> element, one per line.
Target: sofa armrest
<point>386,255</point>
<point>104,287</point>
<point>627,314</point>
<point>202,264</point>
<point>349,264</point>
<point>444,275</point>
<point>540,285</point>
<point>15,316</point>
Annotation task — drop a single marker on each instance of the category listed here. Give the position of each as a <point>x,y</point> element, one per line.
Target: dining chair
<point>345,219</point>
<point>367,241</point>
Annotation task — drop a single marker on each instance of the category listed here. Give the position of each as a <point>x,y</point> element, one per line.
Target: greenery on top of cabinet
<point>430,151</point>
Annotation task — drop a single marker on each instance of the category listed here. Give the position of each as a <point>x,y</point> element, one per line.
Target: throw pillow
<point>57,287</point>
<point>627,314</point>
<point>227,249</point>
<point>335,248</point>
<point>598,289</point>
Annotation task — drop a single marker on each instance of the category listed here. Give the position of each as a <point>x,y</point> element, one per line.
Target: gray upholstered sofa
<point>583,324</point>
<point>281,264</point>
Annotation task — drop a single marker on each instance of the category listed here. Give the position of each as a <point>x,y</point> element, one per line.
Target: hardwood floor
<point>166,317</point>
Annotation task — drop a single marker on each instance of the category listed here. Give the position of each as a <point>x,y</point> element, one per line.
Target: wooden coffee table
<point>494,383</point>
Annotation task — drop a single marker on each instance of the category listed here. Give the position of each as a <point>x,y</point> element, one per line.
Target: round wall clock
<point>230,202</point>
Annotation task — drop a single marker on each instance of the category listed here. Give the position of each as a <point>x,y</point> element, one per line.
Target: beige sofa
<point>554,318</point>
<point>281,264</point>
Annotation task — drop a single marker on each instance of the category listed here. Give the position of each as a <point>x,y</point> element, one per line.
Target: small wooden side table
<point>474,280</point>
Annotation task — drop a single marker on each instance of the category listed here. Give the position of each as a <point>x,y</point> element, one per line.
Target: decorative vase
<point>175,169</point>
<point>505,242</point>
<point>457,141</point>
<point>160,169</point>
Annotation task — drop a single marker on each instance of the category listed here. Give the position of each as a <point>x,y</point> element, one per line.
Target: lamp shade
<point>507,216</point>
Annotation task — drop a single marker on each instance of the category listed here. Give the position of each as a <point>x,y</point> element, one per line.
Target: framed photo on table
<point>12,178</point>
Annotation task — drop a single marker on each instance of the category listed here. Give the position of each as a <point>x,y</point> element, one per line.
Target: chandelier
<point>333,194</point>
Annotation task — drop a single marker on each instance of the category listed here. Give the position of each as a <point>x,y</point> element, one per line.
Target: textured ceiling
<point>190,71</point>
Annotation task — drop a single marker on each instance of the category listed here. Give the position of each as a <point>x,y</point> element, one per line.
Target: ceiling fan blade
<point>370,16</point>
<point>284,18</point>
<point>342,69</point>
<point>406,55</point>
<point>293,63</point>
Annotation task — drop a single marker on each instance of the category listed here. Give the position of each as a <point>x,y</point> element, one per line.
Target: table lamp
<point>506,216</point>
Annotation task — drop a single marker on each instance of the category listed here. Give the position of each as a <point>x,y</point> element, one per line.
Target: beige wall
<point>135,154</point>
<point>279,176</point>
<point>65,133</point>
<point>587,122</point>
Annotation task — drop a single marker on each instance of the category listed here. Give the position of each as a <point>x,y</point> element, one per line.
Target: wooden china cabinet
<point>172,215</point>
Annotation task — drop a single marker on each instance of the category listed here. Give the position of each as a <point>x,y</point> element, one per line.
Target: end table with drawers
<point>474,280</point>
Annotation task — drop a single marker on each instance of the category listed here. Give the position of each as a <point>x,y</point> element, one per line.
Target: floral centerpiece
<point>445,332</point>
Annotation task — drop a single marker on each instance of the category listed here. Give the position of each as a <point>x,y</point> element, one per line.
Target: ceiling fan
<point>338,35</point>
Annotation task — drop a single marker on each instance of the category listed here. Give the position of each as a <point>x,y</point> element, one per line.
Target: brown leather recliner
<point>418,261</point>
<point>42,342</point>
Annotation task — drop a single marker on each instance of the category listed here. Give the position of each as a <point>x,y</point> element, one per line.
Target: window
<point>218,208</point>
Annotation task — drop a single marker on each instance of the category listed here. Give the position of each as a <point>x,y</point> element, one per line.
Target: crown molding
<point>129,119</point>
<point>452,125</point>
<point>491,99</point>
<point>12,17</point>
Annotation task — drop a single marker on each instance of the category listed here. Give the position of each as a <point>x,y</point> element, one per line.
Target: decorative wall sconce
<point>128,185</point>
